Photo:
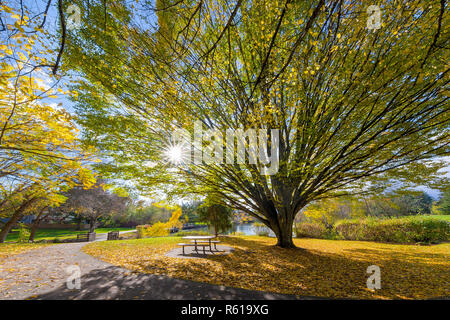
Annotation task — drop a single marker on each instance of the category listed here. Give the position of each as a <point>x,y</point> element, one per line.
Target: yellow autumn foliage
<point>160,229</point>
<point>41,154</point>
<point>10,249</point>
<point>321,268</point>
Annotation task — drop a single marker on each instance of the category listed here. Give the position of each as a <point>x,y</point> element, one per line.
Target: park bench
<point>203,245</point>
<point>86,236</point>
<point>113,235</point>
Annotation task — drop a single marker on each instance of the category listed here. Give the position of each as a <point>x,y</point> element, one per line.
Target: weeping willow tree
<point>356,107</point>
<point>216,215</point>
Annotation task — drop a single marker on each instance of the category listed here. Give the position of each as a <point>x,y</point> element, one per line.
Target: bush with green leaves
<point>217,216</point>
<point>314,230</point>
<point>397,230</point>
<point>261,229</point>
<point>413,229</point>
<point>24,233</point>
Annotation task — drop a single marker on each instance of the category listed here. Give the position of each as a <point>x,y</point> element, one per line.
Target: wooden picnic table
<point>197,239</point>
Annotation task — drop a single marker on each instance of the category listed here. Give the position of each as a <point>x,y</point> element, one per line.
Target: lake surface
<point>248,229</point>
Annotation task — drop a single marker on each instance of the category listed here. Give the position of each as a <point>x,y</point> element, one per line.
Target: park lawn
<point>49,234</point>
<point>442,217</point>
<point>323,268</point>
<point>9,249</point>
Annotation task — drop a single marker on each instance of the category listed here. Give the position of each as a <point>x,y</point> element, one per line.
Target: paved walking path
<point>42,270</point>
<point>41,274</point>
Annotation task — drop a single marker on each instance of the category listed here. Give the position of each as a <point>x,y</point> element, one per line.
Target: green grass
<point>441,216</point>
<point>49,234</point>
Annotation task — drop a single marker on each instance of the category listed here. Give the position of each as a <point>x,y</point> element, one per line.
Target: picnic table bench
<point>200,241</point>
<point>203,245</point>
<point>214,242</point>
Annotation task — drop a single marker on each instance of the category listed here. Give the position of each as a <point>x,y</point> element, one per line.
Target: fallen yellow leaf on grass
<point>325,268</point>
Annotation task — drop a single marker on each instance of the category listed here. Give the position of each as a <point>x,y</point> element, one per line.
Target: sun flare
<point>174,154</point>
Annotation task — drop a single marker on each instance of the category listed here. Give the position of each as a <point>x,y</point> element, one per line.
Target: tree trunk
<point>8,226</point>
<point>283,231</point>
<point>36,223</point>
<point>215,219</point>
<point>92,225</point>
<point>34,227</point>
<point>284,237</point>
<point>13,220</point>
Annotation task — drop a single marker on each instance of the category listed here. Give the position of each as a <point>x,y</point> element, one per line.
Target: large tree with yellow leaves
<point>41,154</point>
<point>356,107</point>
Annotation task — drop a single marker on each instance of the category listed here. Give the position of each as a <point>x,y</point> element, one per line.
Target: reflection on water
<point>248,229</point>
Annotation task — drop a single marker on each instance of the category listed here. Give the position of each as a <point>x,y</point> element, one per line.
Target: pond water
<point>248,229</point>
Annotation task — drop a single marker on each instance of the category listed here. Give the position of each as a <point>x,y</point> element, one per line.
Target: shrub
<point>261,229</point>
<point>349,230</point>
<point>141,230</point>
<point>262,233</point>
<point>24,233</point>
<point>413,229</point>
<point>310,230</point>
<point>398,230</point>
<point>160,229</point>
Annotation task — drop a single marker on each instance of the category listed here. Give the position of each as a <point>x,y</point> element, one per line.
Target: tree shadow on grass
<point>261,266</point>
<point>117,283</point>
